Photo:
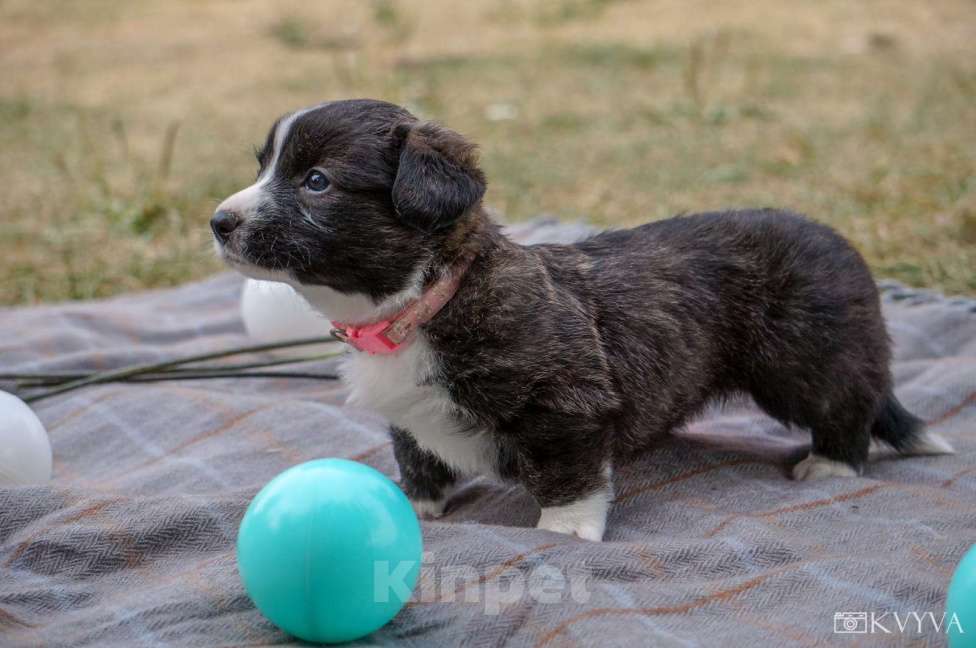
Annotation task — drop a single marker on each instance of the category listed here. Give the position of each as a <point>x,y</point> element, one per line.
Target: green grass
<point>115,148</point>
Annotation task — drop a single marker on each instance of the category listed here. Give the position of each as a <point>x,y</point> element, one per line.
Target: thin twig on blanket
<point>51,378</point>
<point>233,374</point>
<point>115,375</point>
<point>190,374</point>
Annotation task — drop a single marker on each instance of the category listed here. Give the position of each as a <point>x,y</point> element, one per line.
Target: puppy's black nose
<point>223,223</point>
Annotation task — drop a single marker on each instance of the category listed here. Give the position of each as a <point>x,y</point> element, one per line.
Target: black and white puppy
<point>552,363</point>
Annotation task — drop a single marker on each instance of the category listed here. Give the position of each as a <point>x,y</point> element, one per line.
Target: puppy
<point>548,364</point>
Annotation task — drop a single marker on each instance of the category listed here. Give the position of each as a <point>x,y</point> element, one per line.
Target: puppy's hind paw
<point>817,467</point>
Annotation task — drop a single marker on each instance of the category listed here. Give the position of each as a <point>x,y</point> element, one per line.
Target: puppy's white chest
<point>400,387</point>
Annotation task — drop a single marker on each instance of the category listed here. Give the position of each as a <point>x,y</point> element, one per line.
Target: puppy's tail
<point>905,432</point>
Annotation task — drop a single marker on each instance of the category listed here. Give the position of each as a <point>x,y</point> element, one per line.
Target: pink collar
<point>387,336</point>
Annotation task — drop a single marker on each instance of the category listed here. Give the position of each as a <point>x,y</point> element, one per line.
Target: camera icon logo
<point>850,622</point>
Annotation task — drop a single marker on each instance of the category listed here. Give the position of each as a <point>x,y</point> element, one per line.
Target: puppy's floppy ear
<point>437,179</point>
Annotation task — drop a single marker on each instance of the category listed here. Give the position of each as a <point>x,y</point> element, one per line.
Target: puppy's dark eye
<point>316,181</point>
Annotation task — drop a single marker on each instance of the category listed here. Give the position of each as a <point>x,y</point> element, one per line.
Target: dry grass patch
<point>123,124</point>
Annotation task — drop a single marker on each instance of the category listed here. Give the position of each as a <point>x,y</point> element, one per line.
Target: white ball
<point>274,312</point>
<point>25,450</point>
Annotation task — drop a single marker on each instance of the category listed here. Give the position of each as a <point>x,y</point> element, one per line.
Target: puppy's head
<point>352,195</point>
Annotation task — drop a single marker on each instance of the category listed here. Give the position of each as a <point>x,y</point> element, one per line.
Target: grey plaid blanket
<point>132,543</point>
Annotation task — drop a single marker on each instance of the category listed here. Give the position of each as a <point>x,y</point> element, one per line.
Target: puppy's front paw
<point>428,509</point>
<point>585,518</point>
<point>817,467</point>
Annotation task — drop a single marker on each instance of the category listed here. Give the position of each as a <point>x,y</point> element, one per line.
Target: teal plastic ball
<point>962,602</point>
<point>329,550</point>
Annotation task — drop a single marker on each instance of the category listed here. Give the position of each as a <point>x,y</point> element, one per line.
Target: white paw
<point>817,467</point>
<point>878,448</point>
<point>429,509</point>
<point>930,443</point>
<point>585,518</point>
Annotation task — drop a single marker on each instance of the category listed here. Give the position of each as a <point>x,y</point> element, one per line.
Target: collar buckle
<point>371,338</point>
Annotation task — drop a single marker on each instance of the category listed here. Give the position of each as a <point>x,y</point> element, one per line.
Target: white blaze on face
<point>246,201</point>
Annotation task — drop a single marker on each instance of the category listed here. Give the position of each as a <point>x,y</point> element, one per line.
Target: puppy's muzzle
<point>223,224</point>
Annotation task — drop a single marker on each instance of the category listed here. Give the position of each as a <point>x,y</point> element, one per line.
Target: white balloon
<point>274,312</point>
<point>25,450</point>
